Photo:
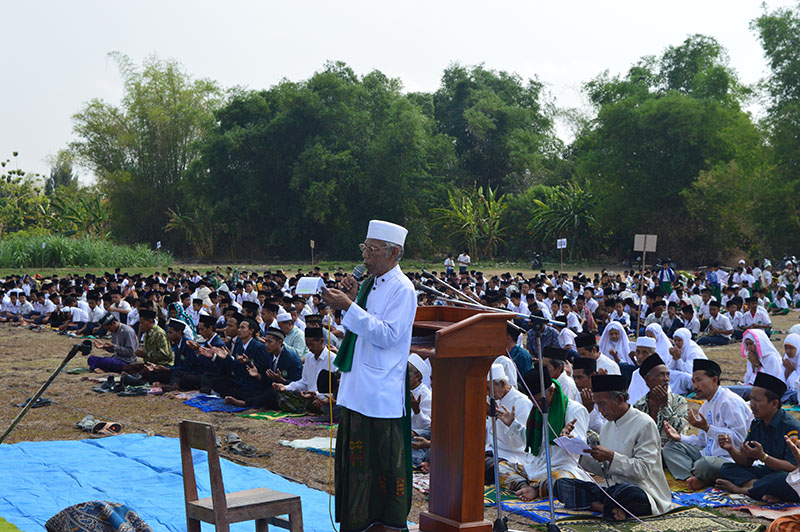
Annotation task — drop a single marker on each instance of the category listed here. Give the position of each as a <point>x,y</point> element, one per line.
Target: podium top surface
<point>459,332</point>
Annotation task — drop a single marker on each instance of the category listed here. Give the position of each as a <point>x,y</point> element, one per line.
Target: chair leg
<point>192,525</point>
<point>296,520</point>
<point>262,525</point>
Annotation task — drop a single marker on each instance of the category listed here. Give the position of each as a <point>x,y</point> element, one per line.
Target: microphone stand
<point>429,275</point>
<point>84,347</point>
<point>537,330</point>
<point>501,523</point>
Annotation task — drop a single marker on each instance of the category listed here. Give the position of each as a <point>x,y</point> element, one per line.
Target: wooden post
<point>562,261</point>
<point>641,283</point>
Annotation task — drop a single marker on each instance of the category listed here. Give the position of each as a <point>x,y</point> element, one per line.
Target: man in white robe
<point>698,458</point>
<point>528,478</point>
<point>555,360</point>
<point>508,399</point>
<point>587,348</point>
<point>371,442</point>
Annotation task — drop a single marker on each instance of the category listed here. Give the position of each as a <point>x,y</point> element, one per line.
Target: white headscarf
<point>663,343</point>
<point>771,361</point>
<point>621,346</point>
<point>793,339</point>
<point>690,349</point>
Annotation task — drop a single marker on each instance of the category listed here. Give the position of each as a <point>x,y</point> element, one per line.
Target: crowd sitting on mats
<point>621,353</point>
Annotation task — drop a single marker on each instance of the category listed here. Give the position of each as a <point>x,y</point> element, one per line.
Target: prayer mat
<point>97,516</point>
<point>421,481</point>
<point>537,511</point>
<point>791,408</point>
<point>319,445</point>
<point>5,526</point>
<point>209,403</point>
<point>272,415</point>
<point>77,371</point>
<point>679,520</point>
<point>305,421</point>
<point>713,498</point>
<point>768,513</point>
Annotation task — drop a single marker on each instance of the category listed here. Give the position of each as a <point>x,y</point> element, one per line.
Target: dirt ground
<point>27,358</point>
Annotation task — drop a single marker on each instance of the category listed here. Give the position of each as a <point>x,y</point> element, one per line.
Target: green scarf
<point>555,417</point>
<point>344,358</point>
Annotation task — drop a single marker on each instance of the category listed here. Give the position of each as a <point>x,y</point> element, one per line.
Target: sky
<point>54,53</point>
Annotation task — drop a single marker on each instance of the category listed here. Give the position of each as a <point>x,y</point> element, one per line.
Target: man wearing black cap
<point>756,316</point>
<point>583,369</point>
<point>244,367</point>
<point>305,388</point>
<point>555,360</point>
<point>528,478</point>
<point>587,348</point>
<point>250,310</point>
<point>765,443</point>
<point>155,348</point>
<point>699,458</point>
<point>520,356</point>
<point>665,407</point>
<point>629,458</point>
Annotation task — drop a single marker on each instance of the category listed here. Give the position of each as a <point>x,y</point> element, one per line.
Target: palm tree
<point>569,213</point>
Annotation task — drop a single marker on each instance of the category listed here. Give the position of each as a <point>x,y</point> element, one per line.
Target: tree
<point>61,173</point>
<point>568,212</point>
<point>475,217</point>
<point>779,33</point>
<point>141,150</point>
<point>501,126</point>
<point>22,205</point>
<point>657,129</point>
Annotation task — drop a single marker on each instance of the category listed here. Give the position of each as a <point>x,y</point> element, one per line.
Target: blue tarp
<point>38,479</point>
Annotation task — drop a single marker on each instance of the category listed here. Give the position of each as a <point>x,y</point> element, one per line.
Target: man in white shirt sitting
<point>302,394</point>
<point>587,348</point>
<point>421,397</point>
<point>509,399</point>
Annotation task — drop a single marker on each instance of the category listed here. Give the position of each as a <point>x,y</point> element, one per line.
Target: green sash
<point>344,358</point>
<point>555,417</point>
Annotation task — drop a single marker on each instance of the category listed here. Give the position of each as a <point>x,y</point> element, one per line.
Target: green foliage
<point>197,227</point>
<point>567,212</point>
<point>79,211</point>
<point>24,250</point>
<point>657,130</point>
<point>475,217</point>
<point>22,205</point>
<point>141,150</point>
<point>61,173</point>
<point>500,125</point>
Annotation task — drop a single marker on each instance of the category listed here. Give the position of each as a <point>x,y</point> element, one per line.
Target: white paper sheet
<point>573,445</point>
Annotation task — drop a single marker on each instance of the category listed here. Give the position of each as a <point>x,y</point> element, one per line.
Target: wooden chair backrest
<point>201,436</point>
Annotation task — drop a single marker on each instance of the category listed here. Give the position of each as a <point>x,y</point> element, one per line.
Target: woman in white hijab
<point>614,343</point>
<point>791,347</point>
<point>684,352</point>
<point>761,356</point>
<point>663,343</point>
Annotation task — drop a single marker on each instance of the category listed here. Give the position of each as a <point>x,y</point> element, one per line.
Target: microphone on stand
<point>429,290</point>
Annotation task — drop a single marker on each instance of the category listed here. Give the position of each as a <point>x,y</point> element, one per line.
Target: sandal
<point>102,427</point>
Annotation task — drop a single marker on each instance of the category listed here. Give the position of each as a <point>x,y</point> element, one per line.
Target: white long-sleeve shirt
<point>422,421</point>
<point>726,413</point>
<point>375,385</point>
<point>312,366</point>
<point>508,447</point>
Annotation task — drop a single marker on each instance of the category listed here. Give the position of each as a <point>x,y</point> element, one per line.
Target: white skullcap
<point>283,316</point>
<point>416,361</point>
<point>646,341</point>
<point>741,261</point>
<point>498,373</point>
<point>387,231</point>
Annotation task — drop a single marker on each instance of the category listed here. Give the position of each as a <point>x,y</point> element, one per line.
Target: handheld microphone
<point>358,272</point>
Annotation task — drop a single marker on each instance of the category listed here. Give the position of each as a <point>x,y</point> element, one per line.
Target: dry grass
<point>27,358</point>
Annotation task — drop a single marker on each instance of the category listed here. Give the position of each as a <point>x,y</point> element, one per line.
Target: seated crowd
<point>620,354</point>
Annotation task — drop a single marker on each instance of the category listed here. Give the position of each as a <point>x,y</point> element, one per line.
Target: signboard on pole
<point>312,244</point>
<point>645,243</point>
<point>158,244</point>
<point>561,243</point>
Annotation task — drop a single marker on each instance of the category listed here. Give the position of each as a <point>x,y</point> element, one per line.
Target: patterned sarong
<point>373,483</point>
<point>97,516</point>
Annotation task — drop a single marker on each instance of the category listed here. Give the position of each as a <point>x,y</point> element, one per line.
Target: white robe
<point>636,443</point>
<point>535,465</point>
<point>375,385</point>
<point>726,413</point>
<point>568,387</point>
<point>509,448</point>
<point>422,421</point>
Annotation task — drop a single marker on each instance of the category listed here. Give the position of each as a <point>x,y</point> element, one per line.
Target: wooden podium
<point>461,344</point>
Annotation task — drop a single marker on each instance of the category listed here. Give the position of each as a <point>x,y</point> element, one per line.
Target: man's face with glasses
<point>378,256</point>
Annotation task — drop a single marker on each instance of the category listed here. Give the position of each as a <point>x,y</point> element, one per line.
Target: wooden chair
<point>260,505</point>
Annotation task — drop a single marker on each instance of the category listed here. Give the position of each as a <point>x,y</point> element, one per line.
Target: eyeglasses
<point>371,249</point>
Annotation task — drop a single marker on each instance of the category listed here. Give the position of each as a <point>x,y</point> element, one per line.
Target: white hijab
<point>793,339</point>
<point>770,358</point>
<point>663,343</point>
<point>690,349</point>
<point>621,346</point>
